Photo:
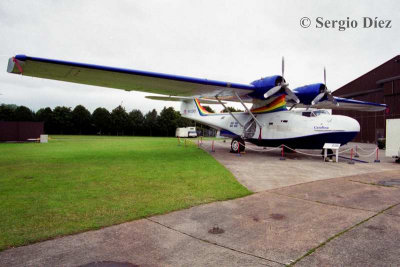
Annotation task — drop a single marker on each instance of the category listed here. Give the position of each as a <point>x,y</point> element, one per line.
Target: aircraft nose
<point>350,124</point>
<point>347,124</point>
<point>355,125</point>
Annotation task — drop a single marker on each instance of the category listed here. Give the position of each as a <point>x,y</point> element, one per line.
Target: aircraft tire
<point>237,142</point>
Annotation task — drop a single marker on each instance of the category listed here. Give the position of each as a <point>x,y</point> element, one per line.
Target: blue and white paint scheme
<point>271,121</point>
<point>306,130</point>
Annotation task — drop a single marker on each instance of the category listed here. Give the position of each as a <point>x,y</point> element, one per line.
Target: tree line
<point>64,120</point>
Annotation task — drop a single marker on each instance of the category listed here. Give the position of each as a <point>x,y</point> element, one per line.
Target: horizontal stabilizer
<point>180,98</point>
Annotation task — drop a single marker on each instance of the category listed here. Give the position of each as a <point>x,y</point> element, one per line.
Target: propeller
<point>283,85</point>
<point>324,92</point>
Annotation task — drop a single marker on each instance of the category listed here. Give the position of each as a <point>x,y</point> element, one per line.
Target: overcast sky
<point>235,41</point>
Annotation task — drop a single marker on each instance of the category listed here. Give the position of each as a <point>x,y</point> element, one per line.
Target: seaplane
<point>273,119</point>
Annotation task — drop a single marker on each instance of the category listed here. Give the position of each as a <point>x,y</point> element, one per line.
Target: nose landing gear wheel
<point>237,143</point>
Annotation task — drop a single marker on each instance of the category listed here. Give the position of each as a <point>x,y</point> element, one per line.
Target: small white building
<point>393,138</point>
<point>186,132</point>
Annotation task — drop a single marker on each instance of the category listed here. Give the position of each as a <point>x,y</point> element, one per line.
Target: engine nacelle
<point>263,85</point>
<point>307,93</point>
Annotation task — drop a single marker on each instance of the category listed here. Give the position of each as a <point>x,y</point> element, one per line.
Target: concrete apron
<point>261,170</point>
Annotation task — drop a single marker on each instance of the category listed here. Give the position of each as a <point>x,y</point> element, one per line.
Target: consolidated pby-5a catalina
<point>271,121</point>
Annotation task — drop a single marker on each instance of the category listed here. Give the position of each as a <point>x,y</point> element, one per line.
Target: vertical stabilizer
<point>189,109</point>
<point>192,108</point>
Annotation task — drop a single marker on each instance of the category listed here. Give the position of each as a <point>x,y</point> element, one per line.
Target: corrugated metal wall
<point>380,85</point>
<point>20,131</point>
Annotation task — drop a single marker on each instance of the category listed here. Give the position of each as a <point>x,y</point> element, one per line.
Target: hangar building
<point>20,131</point>
<point>380,85</point>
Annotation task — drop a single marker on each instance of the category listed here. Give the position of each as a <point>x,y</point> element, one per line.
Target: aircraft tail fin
<point>190,107</point>
<point>193,108</point>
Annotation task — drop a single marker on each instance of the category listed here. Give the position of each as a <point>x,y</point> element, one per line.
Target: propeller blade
<point>292,95</point>
<point>318,98</point>
<point>332,99</point>
<point>284,84</point>
<point>283,66</point>
<point>272,91</point>
<point>324,76</point>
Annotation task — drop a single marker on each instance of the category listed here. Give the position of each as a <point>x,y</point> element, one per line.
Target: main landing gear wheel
<point>237,143</point>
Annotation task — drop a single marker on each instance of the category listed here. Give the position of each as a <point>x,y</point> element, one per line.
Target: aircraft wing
<point>126,79</point>
<point>164,84</point>
<point>345,104</point>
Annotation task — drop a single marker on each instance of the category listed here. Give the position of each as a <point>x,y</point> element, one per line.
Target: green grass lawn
<point>78,183</point>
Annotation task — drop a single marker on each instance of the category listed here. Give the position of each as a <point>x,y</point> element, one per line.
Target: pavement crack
<point>324,180</point>
<point>391,214</point>
<point>374,184</point>
<point>215,244</point>
<point>311,251</point>
<point>322,203</point>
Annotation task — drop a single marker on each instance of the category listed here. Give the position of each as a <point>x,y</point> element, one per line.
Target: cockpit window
<point>314,113</point>
<point>319,112</point>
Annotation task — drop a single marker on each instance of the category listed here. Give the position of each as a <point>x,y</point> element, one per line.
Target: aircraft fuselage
<point>291,128</point>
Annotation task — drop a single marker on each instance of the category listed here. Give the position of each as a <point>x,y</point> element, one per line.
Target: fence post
<point>377,155</point>
<point>351,157</point>
<point>212,146</point>
<point>282,153</point>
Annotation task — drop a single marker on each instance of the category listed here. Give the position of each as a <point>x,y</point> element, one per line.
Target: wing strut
<point>251,113</point>
<point>230,113</point>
